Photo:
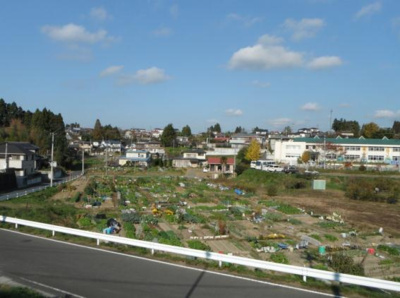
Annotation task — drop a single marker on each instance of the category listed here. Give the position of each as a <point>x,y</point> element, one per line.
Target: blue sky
<point>250,63</point>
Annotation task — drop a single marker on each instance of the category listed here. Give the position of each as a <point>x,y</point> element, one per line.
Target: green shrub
<point>345,264</point>
<point>272,190</point>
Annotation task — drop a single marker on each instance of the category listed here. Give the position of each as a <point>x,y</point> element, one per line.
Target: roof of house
<point>21,148</point>
<point>199,151</point>
<point>217,160</point>
<point>350,141</point>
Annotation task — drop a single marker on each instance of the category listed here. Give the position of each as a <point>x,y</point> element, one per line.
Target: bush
<point>272,190</point>
<point>345,264</point>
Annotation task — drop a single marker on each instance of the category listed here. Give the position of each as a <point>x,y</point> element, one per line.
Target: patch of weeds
<point>330,237</point>
<point>197,244</point>
<point>294,221</point>
<point>288,209</point>
<point>279,257</point>
<point>317,237</point>
<point>389,250</point>
<point>320,267</point>
<point>330,225</point>
<point>8,291</point>
<point>274,217</point>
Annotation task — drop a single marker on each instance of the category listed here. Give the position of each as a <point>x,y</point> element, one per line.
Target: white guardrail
<point>303,271</point>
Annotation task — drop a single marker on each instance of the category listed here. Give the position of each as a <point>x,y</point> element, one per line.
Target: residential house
<point>21,157</point>
<point>112,146</point>
<point>190,158</point>
<point>135,157</point>
<point>223,164</point>
<point>241,140</point>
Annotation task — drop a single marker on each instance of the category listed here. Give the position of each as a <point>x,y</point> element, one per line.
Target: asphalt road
<point>67,270</point>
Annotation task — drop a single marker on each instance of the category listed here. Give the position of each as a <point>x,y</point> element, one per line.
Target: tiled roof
<point>217,160</point>
<point>21,148</point>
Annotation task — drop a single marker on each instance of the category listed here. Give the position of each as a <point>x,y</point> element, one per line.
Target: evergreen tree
<point>186,131</point>
<point>168,137</point>
<point>97,133</point>
<point>396,127</point>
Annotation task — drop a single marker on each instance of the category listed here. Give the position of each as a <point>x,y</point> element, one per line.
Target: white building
<point>359,150</point>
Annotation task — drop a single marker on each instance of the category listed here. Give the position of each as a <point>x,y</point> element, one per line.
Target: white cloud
<point>369,10</point>
<point>325,62</point>
<point>109,71</point>
<point>386,114</point>
<point>268,53</point>
<point>265,57</point>
<point>233,112</point>
<point>99,14</point>
<point>174,10</point>
<point>267,39</point>
<point>260,84</point>
<point>152,75</point>
<point>305,28</point>
<point>73,34</point>
<point>280,122</point>
<point>162,32</point>
<point>245,20</point>
<point>310,106</point>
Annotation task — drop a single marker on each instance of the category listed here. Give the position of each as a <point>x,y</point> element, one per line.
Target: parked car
<point>290,170</point>
<point>273,168</point>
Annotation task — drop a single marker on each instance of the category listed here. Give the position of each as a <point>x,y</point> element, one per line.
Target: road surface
<point>68,270</point>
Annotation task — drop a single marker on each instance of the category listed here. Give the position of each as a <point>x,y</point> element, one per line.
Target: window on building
<point>351,157</point>
<point>376,149</point>
<point>376,157</point>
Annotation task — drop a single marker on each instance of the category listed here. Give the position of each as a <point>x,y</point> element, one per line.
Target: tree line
<point>369,130</point>
<point>18,125</point>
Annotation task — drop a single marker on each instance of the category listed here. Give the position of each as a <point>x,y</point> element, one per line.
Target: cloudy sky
<point>145,64</point>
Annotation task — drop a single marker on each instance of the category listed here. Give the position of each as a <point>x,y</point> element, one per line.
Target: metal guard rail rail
<point>302,271</point>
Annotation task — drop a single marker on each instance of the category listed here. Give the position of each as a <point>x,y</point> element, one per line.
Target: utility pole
<point>83,161</point>
<point>106,161</point>
<point>52,159</point>
<point>6,156</point>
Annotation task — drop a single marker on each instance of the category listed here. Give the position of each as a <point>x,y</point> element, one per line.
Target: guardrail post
<point>305,274</point>
<point>152,251</point>
<point>220,263</point>
<point>98,242</point>
<point>54,233</point>
<point>16,226</point>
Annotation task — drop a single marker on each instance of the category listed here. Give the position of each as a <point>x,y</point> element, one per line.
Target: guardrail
<point>302,271</point>
<point>21,193</point>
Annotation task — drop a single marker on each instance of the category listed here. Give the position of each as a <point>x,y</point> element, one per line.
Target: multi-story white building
<point>359,150</point>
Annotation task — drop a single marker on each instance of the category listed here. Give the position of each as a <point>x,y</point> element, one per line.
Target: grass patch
<point>330,237</point>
